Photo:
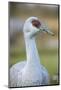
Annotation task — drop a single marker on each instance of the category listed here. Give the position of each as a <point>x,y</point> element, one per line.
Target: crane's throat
<point>31,51</point>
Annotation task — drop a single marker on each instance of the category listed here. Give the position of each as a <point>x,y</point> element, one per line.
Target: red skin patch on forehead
<point>36,23</point>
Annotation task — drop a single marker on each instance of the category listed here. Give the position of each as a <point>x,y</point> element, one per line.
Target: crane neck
<point>31,52</point>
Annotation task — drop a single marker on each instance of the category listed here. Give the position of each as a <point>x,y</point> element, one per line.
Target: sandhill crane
<point>30,72</point>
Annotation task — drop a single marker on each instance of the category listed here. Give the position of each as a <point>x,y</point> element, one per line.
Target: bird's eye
<point>36,23</point>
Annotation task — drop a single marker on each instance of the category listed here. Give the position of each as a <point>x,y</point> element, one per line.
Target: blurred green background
<point>47,45</point>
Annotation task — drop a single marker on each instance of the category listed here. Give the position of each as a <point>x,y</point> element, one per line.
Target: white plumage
<point>30,72</point>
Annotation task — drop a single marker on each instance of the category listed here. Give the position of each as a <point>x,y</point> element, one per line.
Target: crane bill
<point>48,31</point>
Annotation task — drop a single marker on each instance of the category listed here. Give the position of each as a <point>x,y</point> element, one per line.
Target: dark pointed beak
<point>48,31</point>
<point>44,28</point>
